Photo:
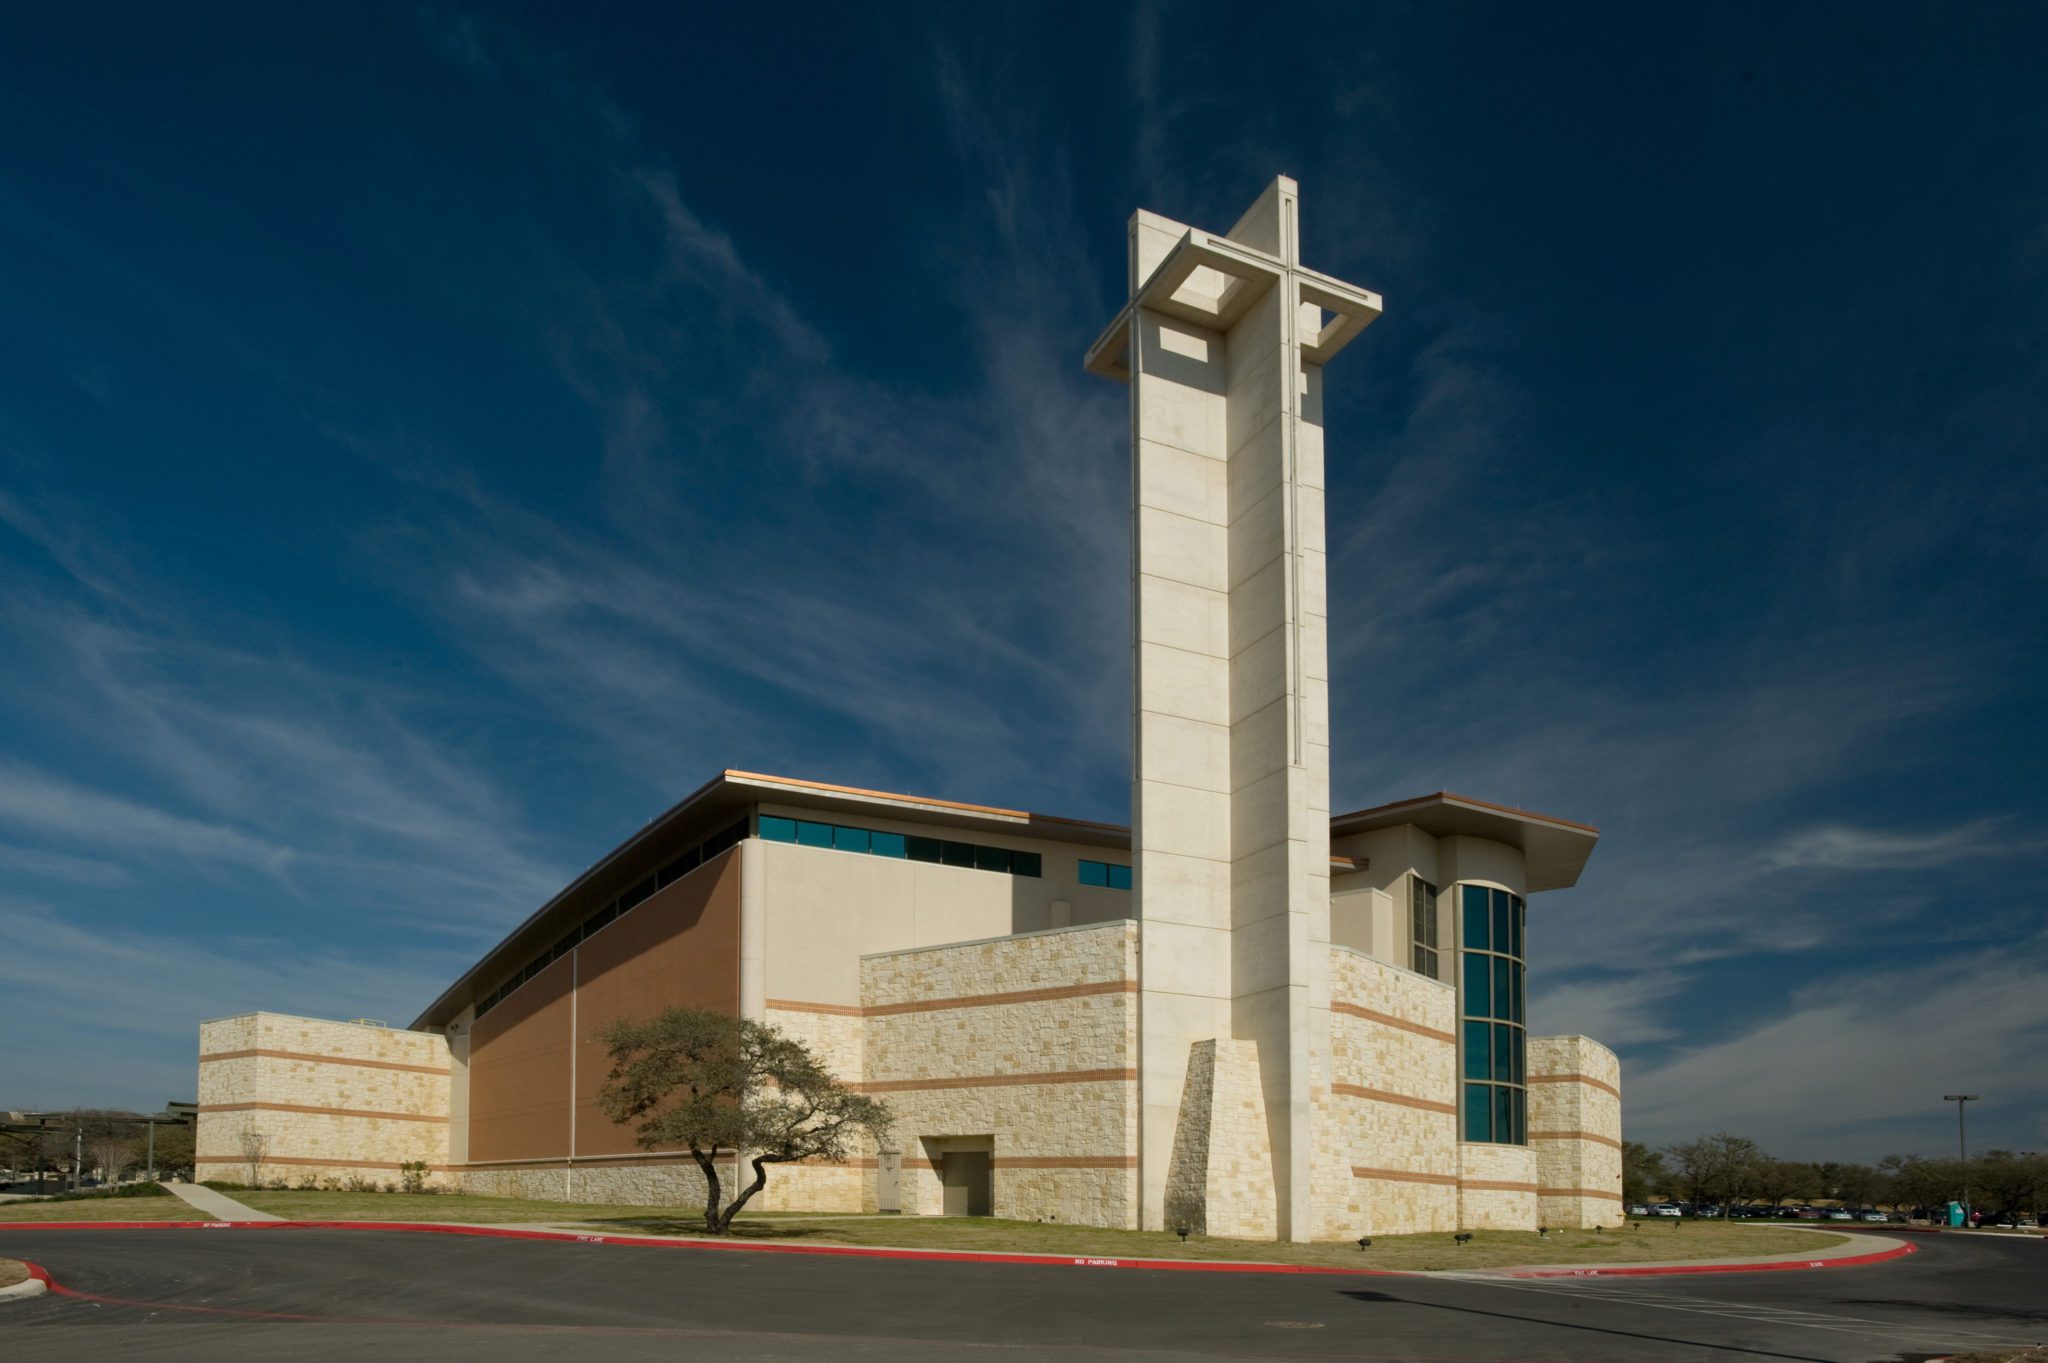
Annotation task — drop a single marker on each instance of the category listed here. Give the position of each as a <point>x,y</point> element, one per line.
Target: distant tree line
<point>105,1144</point>
<point>1726,1170</point>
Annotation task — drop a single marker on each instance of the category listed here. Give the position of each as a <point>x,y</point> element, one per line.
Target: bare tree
<point>254,1145</point>
<point>111,1152</point>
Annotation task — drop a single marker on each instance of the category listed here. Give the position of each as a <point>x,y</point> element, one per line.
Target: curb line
<point>964,1256</point>
<point>1666,1270</point>
<point>37,1283</point>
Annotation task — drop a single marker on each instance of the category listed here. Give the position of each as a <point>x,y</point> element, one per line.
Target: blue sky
<point>434,440</point>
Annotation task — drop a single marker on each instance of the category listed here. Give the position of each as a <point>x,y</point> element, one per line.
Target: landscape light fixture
<point>1962,1143</point>
<point>1461,1237</point>
<point>1364,1243</point>
<point>1183,1230</point>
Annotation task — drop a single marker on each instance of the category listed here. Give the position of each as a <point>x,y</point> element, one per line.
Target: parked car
<point>1875,1216</point>
<point>1666,1209</point>
<point>1840,1214</point>
<point>1638,1209</point>
<point>1708,1211</point>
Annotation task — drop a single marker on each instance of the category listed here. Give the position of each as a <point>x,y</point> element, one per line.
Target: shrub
<point>412,1175</point>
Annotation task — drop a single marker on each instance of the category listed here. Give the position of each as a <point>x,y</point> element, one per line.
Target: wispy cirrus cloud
<point>1841,847</point>
<point>1865,1056</point>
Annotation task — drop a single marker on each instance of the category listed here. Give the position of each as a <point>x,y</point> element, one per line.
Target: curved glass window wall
<point>1494,1039</point>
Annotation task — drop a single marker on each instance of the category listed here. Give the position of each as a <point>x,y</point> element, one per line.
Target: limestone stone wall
<point>1220,1181</point>
<point>308,1101</point>
<point>1393,1098</point>
<point>1575,1129</point>
<point>1497,1187</point>
<point>1029,1041</point>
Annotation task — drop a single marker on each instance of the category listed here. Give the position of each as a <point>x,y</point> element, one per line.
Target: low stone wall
<point>309,1102</point>
<point>1497,1187</point>
<point>1029,1041</point>
<point>1393,1057</point>
<point>1575,1129</point>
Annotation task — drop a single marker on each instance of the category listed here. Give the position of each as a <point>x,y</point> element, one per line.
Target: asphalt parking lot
<point>328,1294</point>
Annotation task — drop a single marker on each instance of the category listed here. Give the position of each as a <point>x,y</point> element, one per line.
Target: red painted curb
<point>949,1256</point>
<point>1666,1270</point>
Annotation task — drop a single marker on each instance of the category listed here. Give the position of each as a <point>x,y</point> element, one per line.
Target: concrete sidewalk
<point>217,1206</point>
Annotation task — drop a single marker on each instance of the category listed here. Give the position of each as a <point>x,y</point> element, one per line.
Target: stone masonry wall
<point>1393,1099</point>
<point>1575,1129</point>
<point>1497,1187</point>
<point>319,1102</point>
<point>1029,1041</point>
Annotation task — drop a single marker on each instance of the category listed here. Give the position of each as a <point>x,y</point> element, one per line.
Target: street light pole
<point>1962,1142</point>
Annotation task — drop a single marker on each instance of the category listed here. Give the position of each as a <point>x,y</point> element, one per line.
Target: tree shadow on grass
<point>743,1229</point>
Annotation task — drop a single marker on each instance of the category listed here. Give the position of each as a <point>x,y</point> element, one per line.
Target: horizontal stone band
<point>441,1070</point>
<point>1585,1079</point>
<point>883,1010</point>
<point>1389,1020</point>
<point>978,1081</point>
<point>1397,1099</point>
<point>320,1111</point>
<point>310,1161</point>
<point>1580,1192</point>
<point>1065,1162</point>
<point>1405,1176</point>
<point>1495,1186</point>
<point>1592,1136</point>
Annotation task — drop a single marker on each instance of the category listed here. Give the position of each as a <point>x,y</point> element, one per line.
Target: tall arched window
<point>1491,992</point>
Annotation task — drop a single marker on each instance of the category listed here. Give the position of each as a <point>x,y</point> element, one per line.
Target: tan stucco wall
<point>330,1101</point>
<point>1575,1129</point>
<point>823,909</point>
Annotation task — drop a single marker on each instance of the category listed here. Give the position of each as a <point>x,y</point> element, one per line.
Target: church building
<point>1242,1014</point>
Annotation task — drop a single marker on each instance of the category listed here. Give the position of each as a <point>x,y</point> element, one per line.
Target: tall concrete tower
<point>1223,342</point>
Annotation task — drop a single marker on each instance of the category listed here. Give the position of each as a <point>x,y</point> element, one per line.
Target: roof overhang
<point>1554,851</point>
<point>728,795</point>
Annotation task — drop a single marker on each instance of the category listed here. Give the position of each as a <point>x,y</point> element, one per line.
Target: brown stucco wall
<point>531,1059</point>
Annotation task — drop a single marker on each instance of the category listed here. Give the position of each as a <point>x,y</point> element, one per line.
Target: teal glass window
<point>1478,918</point>
<point>850,839</point>
<point>814,834</point>
<point>778,830</point>
<point>886,844</point>
<point>1478,1112</point>
<point>1478,985</point>
<point>1494,1040</point>
<point>1106,874</point>
<point>1478,1051</point>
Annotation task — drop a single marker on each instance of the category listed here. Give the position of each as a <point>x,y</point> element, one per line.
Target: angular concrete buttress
<point>1223,342</point>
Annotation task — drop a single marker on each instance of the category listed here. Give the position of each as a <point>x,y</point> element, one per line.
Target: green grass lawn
<point>1487,1249</point>
<point>1654,1240</point>
<point>162,1207</point>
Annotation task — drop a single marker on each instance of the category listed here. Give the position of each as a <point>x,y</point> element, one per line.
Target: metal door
<point>888,1167</point>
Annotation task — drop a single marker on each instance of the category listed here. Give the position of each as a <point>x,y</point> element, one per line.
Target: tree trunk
<point>761,1163</point>
<point>705,1162</point>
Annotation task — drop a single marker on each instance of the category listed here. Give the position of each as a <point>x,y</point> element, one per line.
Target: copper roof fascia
<point>1554,850</point>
